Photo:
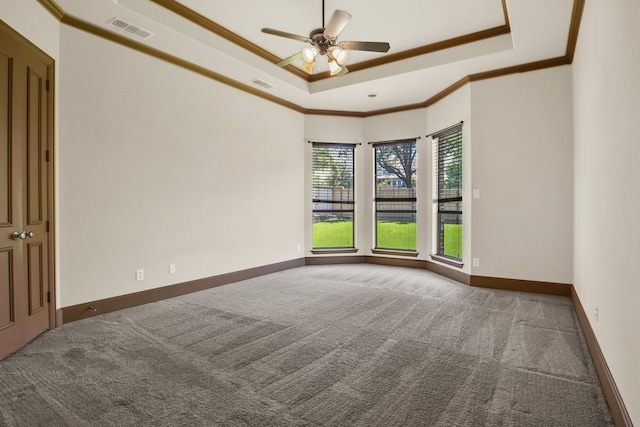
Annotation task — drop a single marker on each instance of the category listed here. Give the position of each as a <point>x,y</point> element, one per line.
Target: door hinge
<point>47,86</point>
<point>48,296</point>
<point>46,155</point>
<point>47,226</point>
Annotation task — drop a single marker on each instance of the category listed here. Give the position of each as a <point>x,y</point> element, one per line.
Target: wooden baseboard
<point>397,262</point>
<point>609,388</point>
<point>93,308</point>
<point>451,273</point>
<point>532,286</point>
<point>324,260</point>
<point>359,259</point>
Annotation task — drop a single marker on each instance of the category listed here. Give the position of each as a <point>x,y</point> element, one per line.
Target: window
<point>448,192</point>
<point>333,195</point>
<point>395,198</point>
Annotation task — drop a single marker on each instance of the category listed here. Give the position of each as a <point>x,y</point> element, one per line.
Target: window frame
<point>450,135</point>
<point>377,249</point>
<point>332,201</point>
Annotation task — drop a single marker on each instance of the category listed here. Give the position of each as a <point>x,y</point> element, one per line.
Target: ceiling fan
<point>324,42</point>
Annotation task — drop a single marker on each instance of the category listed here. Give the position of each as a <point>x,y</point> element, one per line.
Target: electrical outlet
<point>172,268</point>
<point>476,262</point>
<point>596,312</point>
<point>298,247</point>
<point>139,275</point>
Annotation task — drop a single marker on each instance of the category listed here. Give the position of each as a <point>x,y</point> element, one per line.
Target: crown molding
<point>422,50</point>
<point>209,25</point>
<point>574,28</point>
<point>53,8</point>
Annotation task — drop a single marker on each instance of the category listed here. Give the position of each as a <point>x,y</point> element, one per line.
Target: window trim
<point>437,256</point>
<point>455,262</point>
<point>396,252</point>
<point>336,249</point>
<point>384,250</point>
<point>345,250</point>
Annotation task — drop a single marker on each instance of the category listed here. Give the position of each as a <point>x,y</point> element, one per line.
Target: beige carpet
<point>345,345</point>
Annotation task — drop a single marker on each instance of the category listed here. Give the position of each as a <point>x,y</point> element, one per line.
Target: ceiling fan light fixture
<point>308,67</point>
<point>324,42</point>
<point>309,54</point>
<point>340,55</point>
<point>334,68</point>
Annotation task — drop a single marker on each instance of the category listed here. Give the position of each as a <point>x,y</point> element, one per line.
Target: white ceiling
<point>539,30</point>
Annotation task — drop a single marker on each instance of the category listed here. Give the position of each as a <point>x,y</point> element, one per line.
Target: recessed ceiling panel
<point>405,25</point>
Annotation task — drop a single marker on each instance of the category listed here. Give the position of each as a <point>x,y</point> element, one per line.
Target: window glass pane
<point>396,176</point>
<point>332,230</point>
<point>450,166</point>
<point>450,230</point>
<point>332,169</point>
<point>396,169</point>
<point>396,230</point>
<point>449,192</point>
<point>333,195</point>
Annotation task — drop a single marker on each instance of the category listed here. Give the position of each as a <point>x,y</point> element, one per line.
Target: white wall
<point>606,101</point>
<point>522,164</point>
<point>159,165</point>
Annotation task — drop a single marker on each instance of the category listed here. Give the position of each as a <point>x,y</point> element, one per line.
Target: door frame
<point>55,315</point>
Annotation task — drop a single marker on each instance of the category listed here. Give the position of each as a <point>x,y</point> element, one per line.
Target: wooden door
<point>25,134</point>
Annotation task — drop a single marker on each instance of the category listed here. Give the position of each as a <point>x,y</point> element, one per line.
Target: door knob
<point>19,235</point>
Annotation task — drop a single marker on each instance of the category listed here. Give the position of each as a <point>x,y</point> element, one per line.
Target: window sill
<point>446,260</point>
<point>394,252</point>
<point>334,251</point>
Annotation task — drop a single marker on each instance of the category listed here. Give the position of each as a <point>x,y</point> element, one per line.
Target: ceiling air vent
<point>262,83</point>
<point>130,28</point>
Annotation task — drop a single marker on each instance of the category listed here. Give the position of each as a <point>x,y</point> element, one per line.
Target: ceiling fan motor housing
<point>319,40</point>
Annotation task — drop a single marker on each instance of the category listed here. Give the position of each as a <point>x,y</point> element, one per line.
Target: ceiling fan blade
<point>289,60</point>
<point>368,46</point>
<point>287,35</point>
<point>338,21</point>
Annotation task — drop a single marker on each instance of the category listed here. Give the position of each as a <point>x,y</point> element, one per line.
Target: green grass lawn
<point>333,234</point>
<point>391,235</point>
<point>453,240</point>
<point>396,235</point>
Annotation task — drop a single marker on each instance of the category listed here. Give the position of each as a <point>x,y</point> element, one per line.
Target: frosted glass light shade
<point>334,68</point>
<point>340,55</point>
<point>309,54</point>
<point>308,66</point>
